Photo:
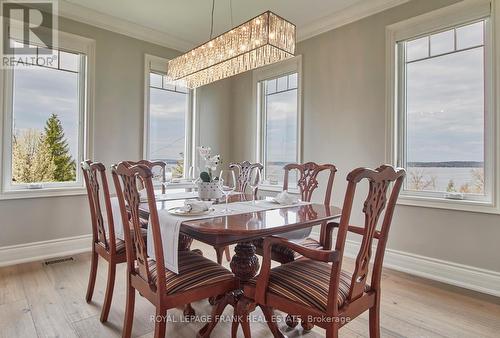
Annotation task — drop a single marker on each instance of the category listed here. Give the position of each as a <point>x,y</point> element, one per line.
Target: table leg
<point>185,242</point>
<point>244,265</point>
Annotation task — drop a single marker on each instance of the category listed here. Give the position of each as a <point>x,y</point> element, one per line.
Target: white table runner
<point>170,226</point>
<point>117,217</point>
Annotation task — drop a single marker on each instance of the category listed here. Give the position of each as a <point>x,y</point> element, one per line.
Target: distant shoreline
<point>447,164</point>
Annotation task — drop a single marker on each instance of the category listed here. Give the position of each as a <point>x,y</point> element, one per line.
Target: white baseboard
<point>29,252</point>
<point>485,281</point>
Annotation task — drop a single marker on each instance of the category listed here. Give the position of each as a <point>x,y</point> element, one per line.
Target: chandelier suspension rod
<point>212,22</point>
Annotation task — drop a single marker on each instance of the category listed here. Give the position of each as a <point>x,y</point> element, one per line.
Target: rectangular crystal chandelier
<point>265,39</point>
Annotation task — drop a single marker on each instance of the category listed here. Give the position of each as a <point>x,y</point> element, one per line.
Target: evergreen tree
<point>65,166</point>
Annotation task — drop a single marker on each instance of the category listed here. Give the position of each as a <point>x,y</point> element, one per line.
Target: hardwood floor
<point>38,300</point>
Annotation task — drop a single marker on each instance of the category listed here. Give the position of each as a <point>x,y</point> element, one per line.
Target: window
<point>280,115</point>
<point>280,119</point>
<point>168,123</point>
<point>45,129</point>
<point>442,118</point>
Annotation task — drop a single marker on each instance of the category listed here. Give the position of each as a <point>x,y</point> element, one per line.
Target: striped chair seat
<point>306,282</point>
<point>195,271</point>
<point>286,254</point>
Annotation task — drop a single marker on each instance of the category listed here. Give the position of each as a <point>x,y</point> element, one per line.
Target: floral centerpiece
<point>208,182</point>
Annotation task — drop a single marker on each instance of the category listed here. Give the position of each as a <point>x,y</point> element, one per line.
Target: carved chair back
<point>129,200</point>
<point>243,175</point>
<point>308,179</point>
<point>94,174</point>
<point>384,186</point>
<point>152,165</point>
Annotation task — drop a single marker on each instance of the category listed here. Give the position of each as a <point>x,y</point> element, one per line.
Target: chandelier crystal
<point>265,39</point>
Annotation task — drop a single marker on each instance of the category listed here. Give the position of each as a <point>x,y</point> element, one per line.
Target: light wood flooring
<point>38,300</point>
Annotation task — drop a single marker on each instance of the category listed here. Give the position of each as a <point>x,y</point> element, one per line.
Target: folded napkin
<point>286,199</point>
<point>196,206</point>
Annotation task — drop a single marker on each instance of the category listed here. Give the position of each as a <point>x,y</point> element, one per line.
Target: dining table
<point>243,228</point>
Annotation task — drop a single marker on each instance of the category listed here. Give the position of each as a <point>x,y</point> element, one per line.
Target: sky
<point>167,124</point>
<point>35,99</point>
<point>282,126</point>
<point>445,108</point>
<point>445,98</point>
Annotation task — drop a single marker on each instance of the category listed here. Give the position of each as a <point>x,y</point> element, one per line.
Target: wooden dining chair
<point>152,165</point>
<point>242,180</point>
<point>315,286</point>
<point>243,176</point>
<point>307,184</point>
<point>185,241</point>
<point>198,277</point>
<point>104,241</point>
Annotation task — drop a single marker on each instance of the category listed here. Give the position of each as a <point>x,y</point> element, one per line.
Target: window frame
<point>286,67</point>
<point>156,64</point>
<point>462,13</point>
<point>70,43</point>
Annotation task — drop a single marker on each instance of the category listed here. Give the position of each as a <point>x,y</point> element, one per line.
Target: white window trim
<point>467,10</point>
<point>275,70</point>
<point>72,43</point>
<point>152,62</point>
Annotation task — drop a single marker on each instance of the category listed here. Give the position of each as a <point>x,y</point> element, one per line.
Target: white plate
<point>178,211</point>
<point>274,200</point>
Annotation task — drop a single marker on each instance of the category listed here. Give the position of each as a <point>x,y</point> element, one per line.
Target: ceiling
<point>187,22</point>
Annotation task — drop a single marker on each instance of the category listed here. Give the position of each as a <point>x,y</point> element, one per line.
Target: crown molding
<point>105,21</point>
<point>343,17</point>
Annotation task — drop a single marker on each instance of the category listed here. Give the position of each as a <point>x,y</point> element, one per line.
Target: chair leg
<point>198,251</point>
<point>129,311</point>
<point>188,311</point>
<point>307,326</point>
<point>219,252</point>
<point>160,322</point>
<point>291,321</point>
<point>332,332</point>
<point>216,312</point>
<point>228,253</point>
<point>271,322</point>
<point>374,320</point>
<point>93,273</point>
<point>242,312</point>
<point>108,297</point>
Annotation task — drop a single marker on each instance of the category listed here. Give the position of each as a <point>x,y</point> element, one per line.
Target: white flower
<point>205,152</point>
<point>212,162</point>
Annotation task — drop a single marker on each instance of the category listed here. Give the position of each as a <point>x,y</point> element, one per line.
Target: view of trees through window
<point>45,121</point>
<point>281,124</point>
<point>168,106</point>
<point>445,111</point>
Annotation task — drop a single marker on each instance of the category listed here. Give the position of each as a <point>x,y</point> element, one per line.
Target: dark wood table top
<point>265,222</point>
<point>223,230</point>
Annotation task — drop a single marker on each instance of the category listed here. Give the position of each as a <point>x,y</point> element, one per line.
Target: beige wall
<point>214,111</point>
<point>344,123</point>
<point>118,134</point>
